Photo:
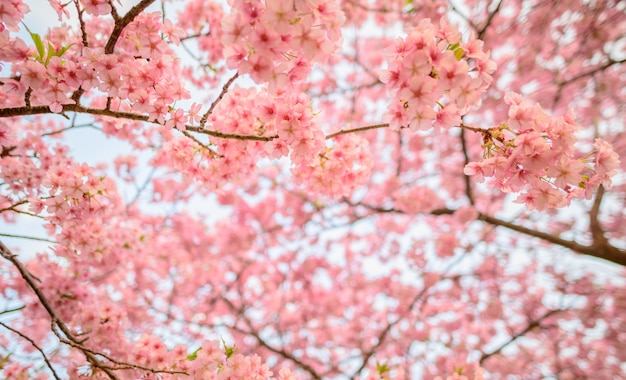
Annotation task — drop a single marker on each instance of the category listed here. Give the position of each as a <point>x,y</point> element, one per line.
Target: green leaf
<point>229,350</point>
<point>382,367</point>
<point>454,46</point>
<point>51,51</point>
<point>62,50</point>
<point>38,43</point>
<point>4,360</point>
<point>194,355</point>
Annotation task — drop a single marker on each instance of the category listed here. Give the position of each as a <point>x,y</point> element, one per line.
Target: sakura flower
<point>607,160</point>
<point>176,119</point>
<point>97,7</point>
<point>566,172</point>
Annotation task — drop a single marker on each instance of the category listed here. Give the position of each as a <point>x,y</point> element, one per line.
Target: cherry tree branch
<point>32,342</point>
<point>28,238</point>
<point>218,99</point>
<point>56,320</point>
<point>13,207</point>
<point>562,84</point>
<point>358,129</point>
<point>456,10</point>
<point>591,72</point>
<point>483,30</point>
<point>39,110</point>
<point>601,249</point>
<point>12,310</point>
<point>383,334</point>
<point>252,331</point>
<point>83,32</point>
<point>468,182</point>
<point>594,222</point>
<point>71,339</point>
<point>121,23</point>
<point>531,325</point>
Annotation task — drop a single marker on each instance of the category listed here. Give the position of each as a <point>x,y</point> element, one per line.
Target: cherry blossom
<point>289,189</point>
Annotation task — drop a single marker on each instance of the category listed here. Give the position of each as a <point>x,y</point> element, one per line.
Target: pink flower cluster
<point>97,7</point>
<point>142,72</point>
<point>416,199</point>
<point>275,41</point>
<point>284,118</point>
<point>534,153</point>
<point>11,12</point>
<point>340,169</point>
<point>435,77</point>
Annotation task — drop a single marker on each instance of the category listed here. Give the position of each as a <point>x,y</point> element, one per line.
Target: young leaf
<point>382,368</point>
<point>62,51</point>
<point>38,43</point>
<point>51,51</point>
<point>229,350</point>
<point>194,355</point>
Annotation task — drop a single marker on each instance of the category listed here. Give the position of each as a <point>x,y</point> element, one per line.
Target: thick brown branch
<point>468,181</point>
<point>121,23</point>
<point>38,110</point>
<point>602,251</point>
<point>594,223</point>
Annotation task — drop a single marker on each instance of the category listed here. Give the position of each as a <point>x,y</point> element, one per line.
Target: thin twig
<point>71,339</point>
<point>28,238</point>
<point>32,342</point>
<point>531,325</point>
<point>358,129</point>
<point>252,331</point>
<point>483,30</point>
<point>13,206</point>
<point>219,98</point>
<point>82,24</point>
<point>12,310</point>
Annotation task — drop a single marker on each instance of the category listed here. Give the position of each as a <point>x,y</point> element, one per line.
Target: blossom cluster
<point>275,41</point>
<point>141,72</point>
<point>434,77</point>
<point>340,169</point>
<point>285,119</point>
<point>534,153</point>
<point>11,12</point>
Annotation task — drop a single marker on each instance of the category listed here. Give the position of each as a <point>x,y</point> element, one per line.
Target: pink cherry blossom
<point>312,189</point>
